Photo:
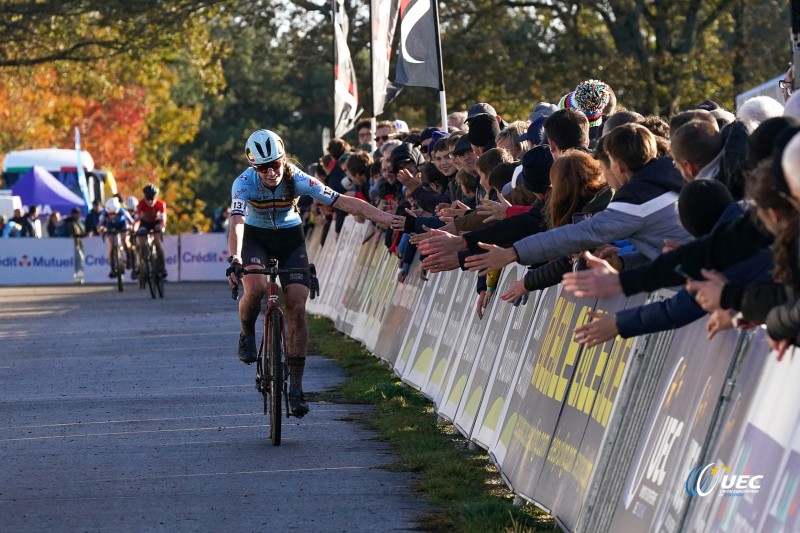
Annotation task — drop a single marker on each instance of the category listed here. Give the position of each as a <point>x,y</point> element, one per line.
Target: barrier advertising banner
<point>419,316</point>
<point>97,266</point>
<point>419,362</point>
<point>542,403</point>
<point>385,280</point>
<point>356,282</point>
<point>581,426</point>
<point>467,348</point>
<point>497,323</point>
<point>28,261</point>
<point>366,303</point>
<point>757,488</point>
<point>654,495</point>
<point>404,301</point>
<point>521,382</point>
<point>745,382</point>
<point>509,354</point>
<point>204,256</point>
<point>445,352</point>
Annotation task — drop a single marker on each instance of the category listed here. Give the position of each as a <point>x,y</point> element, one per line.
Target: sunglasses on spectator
<point>786,86</point>
<point>383,138</point>
<point>274,166</point>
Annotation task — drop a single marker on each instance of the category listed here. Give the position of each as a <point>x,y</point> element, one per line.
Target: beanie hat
<point>406,153</point>
<point>426,133</point>
<point>542,110</point>
<point>436,136</point>
<point>708,105</point>
<point>700,205</point>
<point>761,142</point>
<point>590,97</point>
<point>482,130</point>
<point>536,164</point>
<point>535,133</point>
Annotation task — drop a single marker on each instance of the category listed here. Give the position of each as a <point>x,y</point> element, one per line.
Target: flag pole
<point>335,65</point>
<point>442,94</point>
<point>372,120</point>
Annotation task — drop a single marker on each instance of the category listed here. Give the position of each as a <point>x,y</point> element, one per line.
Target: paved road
<point>123,413</point>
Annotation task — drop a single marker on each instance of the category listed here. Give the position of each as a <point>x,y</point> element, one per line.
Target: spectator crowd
<point>590,193</point>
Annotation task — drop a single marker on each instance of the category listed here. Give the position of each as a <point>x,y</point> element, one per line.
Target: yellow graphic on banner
<point>611,381</point>
<point>423,361</point>
<point>588,374</point>
<point>548,375</point>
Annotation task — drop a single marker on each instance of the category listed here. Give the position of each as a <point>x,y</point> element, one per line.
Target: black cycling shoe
<point>297,404</point>
<point>247,348</point>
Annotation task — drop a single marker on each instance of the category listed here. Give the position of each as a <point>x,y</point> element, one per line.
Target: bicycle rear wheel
<point>158,274</point>
<point>274,361</point>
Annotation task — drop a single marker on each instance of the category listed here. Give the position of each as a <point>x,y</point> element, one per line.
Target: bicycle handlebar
<point>274,271</point>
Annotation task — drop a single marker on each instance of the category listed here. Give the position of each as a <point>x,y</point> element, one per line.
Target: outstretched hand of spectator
<point>600,281</point>
<point>494,258</point>
<point>493,210</point>
<point>719,320</point>
<point>457,209</point>
<point>398,222</point>
<point>515,292</point>
<point>707,293</point>
<point>441,250</point>
<point>483,302</point>
<point>779,346</point>
<point>598,331</point>
<point>411,181</point>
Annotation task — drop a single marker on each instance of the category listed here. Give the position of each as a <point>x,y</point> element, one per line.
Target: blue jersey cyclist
<point>115,219</point>
<point>265,222</point>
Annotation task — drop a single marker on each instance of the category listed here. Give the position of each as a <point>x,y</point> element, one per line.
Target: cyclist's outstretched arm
<point>354,206</point>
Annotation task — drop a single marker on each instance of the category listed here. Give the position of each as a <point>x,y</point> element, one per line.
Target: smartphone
<point>681,272</point>
<point>579,217</point>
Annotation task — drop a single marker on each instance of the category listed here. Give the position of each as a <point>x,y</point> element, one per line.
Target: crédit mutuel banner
<point>189,257</point>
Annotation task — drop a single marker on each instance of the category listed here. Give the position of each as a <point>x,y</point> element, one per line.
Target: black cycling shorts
<point>145,227</point>
<point>287,245</point>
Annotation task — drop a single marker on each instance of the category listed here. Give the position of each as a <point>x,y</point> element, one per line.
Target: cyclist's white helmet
<point>113,206</point>
<point>131,203</point>
<point>263,146</point>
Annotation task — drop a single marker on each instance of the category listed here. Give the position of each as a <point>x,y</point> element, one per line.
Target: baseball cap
<point>462,146</point>
<point>481,108</point>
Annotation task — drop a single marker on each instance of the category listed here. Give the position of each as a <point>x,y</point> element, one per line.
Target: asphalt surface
<point>123,413</point>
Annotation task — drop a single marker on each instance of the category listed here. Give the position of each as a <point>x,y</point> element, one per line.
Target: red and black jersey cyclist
<point>265,222</point>
<point>151,215</point>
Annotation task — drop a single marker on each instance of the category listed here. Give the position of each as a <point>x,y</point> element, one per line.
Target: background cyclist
<point>115,218</point>
<point>151,214</point>
<point>265,222</point>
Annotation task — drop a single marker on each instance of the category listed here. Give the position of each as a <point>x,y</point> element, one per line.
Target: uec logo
<point>704,479</point>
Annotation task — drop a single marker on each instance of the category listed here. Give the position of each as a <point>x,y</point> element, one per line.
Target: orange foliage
<point>40,107</point>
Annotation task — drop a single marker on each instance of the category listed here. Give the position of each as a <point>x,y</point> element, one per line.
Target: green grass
<point>462,485</point>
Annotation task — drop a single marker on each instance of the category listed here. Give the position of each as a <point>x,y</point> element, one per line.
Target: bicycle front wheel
<point>152,268</point>
<point>274,356</point>
<point>119,267</point>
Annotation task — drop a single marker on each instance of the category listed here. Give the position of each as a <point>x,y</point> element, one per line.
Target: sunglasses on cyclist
<point>275,166</point>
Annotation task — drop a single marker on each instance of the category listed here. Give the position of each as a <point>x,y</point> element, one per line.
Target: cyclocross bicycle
<point>271,366</point>
<point>117,258</point>
<point>150,273</point>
